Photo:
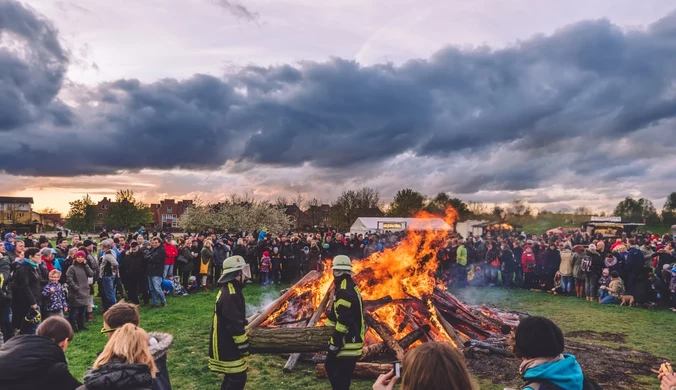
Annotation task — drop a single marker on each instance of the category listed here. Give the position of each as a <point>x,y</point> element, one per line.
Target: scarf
<point>33,264</point>
<point>612,263</point>
<point>530,363</point>
<point>48,263</point>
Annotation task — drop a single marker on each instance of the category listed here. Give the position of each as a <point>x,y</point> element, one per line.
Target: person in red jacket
<point>529,268</point>
<point>172,252</point>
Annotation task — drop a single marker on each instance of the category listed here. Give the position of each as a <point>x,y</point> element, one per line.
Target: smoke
<point>265,299</point>
<point>238,10</point>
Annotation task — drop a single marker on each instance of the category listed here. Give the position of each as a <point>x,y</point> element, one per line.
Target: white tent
<point>364,225</point>
<point>469,226</point>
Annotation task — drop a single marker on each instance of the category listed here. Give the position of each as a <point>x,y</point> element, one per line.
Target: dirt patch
<point>611,368</point>
<point>619,338</point>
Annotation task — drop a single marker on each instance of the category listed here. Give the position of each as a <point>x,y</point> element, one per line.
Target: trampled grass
<point>188,319</point>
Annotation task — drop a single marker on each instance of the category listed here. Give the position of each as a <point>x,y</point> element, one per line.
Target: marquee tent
<point>364,225</point>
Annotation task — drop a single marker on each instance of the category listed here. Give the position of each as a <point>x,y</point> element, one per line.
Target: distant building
<point>103,206</point>
<point>167,213</point>
<point>14,210</point>
<point>318,216</point>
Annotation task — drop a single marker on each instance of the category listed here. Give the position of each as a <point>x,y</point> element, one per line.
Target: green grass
<point>188,319</point>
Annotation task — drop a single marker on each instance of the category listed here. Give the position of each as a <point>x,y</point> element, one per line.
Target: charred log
<point>290,340</point>
<point>379,349</point>
<point>384,332</point>
<point>362,370</point>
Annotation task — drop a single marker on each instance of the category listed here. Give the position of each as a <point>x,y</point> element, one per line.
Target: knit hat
<point>80,254</point>
<point>133,244</point>
<point>266,254</point>
<point>88,242</point>
<point>538,337</point>
<point>591,247</point>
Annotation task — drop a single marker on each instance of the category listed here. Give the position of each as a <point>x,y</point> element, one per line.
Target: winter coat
<point>186,252</point>
<point>266,263</point>
<point>26,290</point>
<point>577,271</point>
<point>159,346</point>
<point>78,285</point>
<point>566,267</point>
<point>155,259</point>
<point>461,255</point>
<point>109,264</point>
<point>566,374</point>
<point>672,285</point>
<point>336,248</point>
<point>596,263</point>
<point>136,264</point>
<point>171,252</point>
<point>54,301</point>
<point>228,343</point>
<point>635,260</point>
<point>616,287</point>
<point>5,268</point>
<point>221,253</point>
<point>94,265</point>
<point>118,375</point>
<point>314,256</point>
<point>552,261</point>
<point>528,263</point>
<point>31,362</point>
<point>206,261</point>
<point>508,262</point>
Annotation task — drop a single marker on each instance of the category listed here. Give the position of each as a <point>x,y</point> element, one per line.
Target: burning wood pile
<point>404,305</point>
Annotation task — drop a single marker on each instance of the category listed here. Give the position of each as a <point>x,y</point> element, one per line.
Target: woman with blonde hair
<point>125,363</point>
<point>431,366</point>
<point>206,259</point>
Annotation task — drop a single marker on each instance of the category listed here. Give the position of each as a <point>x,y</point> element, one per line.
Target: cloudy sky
<point>562,103</point>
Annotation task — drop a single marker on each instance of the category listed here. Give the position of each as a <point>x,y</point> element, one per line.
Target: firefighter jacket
<point>229,342</point>
<point>347,316</point>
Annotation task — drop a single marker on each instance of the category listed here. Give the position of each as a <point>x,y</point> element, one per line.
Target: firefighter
<point>347,316</point>
<point>229,343</point>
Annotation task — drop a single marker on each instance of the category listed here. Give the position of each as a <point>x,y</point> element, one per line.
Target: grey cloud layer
<point>546,106</point>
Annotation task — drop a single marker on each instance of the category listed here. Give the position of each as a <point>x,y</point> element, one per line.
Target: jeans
<point>590,285</point>
<point>518,281</point>
<point>6,322</point>
<point>108,297</point>
<point>155,283</point>
<point>610,300</point>
<point>168,270</point>
<point>567,283</point>
<point>77,317</point>
<point>529,280</point>
<point>603,294</point>
<point>263,278</point>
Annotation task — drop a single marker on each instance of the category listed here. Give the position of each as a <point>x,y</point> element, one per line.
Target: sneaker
<point>164,304</point>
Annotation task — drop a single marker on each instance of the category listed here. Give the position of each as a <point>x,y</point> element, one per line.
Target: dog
<point>628,299</point>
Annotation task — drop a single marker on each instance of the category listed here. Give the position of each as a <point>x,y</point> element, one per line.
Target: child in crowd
<point>168,285</point>
<point>55,297</point>
<point>178,288</point>
<point>558,284</point>
<point>266,263</point>
<point>192,285</point>
<point>604,280</point>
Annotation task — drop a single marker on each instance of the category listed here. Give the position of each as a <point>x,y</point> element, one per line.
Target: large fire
<point>401,283</point>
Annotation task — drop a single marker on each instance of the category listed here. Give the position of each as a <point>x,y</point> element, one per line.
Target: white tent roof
<point>375,223</point>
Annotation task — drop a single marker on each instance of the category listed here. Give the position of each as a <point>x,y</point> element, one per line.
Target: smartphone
<point>396,366</point>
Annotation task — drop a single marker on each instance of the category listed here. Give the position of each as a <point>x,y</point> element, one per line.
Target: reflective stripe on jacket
<point>347,316</point>
<point>228,331</point>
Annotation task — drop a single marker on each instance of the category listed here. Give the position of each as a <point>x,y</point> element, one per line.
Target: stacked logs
<point>472,329</point>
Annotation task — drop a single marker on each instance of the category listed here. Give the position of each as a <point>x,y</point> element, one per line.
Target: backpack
<point>586,263</point>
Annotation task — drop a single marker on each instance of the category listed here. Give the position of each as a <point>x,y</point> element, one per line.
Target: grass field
<point>188,319</point>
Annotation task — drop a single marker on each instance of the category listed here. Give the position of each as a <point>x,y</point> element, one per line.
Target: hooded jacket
<point>117,375</point>
<point>34,362</point>
<point>566,267</point>
<point>528,263</point>
<point>26,289</point>
<point>159,346</point>
<point>78,284</point>
<point>566,374</point>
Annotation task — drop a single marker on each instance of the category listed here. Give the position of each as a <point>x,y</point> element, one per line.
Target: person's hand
<point>35,307</point>
<point>668,381</point>
<point>386,381</point>
<point>65,310</point>
<point>51,289</point>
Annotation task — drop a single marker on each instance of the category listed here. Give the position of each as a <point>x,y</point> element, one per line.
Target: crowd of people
<point>43,284</point>
<point>638,269</point>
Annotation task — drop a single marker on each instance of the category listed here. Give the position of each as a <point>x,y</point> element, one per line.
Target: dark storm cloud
<point>238,10</point>
<point>545,105</point>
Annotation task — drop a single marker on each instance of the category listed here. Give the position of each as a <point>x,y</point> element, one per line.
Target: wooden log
<point>381,348</point>
<point>384,332</point>
<point>328,297</point>
<point>449,330</point>
<point>362,370</point>
<point>492,348</point>
<point>310,277</point>
<point>290,340</point>
<point>377,303</point>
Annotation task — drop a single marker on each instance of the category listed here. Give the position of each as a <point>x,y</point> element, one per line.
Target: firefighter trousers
<point>339,370</point>
<point>234,381</point>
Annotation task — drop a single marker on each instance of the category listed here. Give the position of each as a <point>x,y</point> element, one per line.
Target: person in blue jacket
<point>539,343</point>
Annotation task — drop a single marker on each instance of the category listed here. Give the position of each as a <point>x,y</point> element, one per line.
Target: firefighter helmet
<point>231,266</point>
<point>342,263</point>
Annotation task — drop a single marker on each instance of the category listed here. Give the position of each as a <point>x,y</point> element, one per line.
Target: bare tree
<point>583,211</point>
<point>477,208</point>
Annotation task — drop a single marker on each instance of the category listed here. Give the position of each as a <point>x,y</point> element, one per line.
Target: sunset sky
<point>561,103</point>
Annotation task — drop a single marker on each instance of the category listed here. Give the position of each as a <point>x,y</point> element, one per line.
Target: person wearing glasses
<point>126,313</point>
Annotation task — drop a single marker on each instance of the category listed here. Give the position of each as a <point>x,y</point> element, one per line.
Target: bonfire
<point>405,304</point>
